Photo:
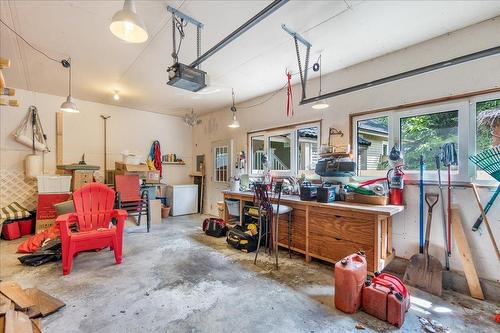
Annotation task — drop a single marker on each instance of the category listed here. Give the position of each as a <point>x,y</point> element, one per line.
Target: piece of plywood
<point>46,303</point>
<point>465,255</point>
<point>36,325</point>
<point>17,322</point>
<point>5,305</point>
<point>14,291</point>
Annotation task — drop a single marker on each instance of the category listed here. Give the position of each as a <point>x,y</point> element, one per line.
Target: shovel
<point>425,271</point>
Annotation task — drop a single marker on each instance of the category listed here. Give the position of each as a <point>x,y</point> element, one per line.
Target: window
<point>417,132</point>
<point>258,154</point>
<point>280,152</point>
<point>221,163</point>
<point>307,148</point>
<point>372,141</point>
<point>425,135</point>
<point>291,150</point>
<point>483,137</point>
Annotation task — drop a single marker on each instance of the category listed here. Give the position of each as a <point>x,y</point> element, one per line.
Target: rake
<point>489,161</point>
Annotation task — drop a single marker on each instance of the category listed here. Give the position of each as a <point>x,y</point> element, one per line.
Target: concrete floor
<point>176,279</point>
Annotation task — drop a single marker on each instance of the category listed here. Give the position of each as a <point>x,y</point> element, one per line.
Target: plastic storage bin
<point>233,207</point>
<point>10,230</point>
<point>25,226</point>
<point>54,184</point>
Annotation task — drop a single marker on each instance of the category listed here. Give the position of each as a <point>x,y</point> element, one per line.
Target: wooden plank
<point>14,291</point>
<point>2,323</point>
<point>465,255</point>
<point>5,305</point>
<point>389,235</point>
<point>383,243</point>
<point>17,322</point>
<point>37,325</point>
<point>59,138</point>
<point>46,303</point>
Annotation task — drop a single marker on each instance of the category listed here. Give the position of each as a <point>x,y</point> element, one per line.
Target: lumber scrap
<point>17,322</point>
<point>465,255</point>
<point>5,305</point>
<point>46,303</point>
<point>17,295</point>
<point>36,325</point>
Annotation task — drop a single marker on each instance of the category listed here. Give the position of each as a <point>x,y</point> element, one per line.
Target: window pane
<point>279,152</point>
<point>372,146</point>
<point>221,164</point>
<point>257,151</point>
<point>307,148</point>
<point>483,134</point>
<point>425,134</point>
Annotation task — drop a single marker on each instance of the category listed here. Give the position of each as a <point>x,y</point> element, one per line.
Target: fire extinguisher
<point>396,185</point>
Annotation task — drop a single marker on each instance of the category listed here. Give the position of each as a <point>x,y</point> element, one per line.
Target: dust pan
<point>425,271</point>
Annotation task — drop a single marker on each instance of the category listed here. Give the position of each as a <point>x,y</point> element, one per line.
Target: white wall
<point>128,129</point>
<point>472,76</point>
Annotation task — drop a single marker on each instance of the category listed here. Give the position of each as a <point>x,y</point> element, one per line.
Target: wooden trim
<point>308,256</point>
<point>285,126</point>
<point>419,103</point>
<point>389,235</point>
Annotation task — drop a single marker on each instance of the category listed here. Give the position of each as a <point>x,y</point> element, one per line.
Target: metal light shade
<point>69,106</point>
<point>320,105</point>
<point>235,123</point>
<point>127,25</point>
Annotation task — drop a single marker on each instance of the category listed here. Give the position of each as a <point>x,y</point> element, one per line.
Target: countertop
<point>388,210</point>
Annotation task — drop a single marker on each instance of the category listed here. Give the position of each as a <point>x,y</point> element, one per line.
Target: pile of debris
<point>21,309</point>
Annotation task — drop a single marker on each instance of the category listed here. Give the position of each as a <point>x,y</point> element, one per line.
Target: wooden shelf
<point>335,155</point>
<point>173,163</point>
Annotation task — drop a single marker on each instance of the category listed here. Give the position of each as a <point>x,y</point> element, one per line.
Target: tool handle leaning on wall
<point>479,220</point>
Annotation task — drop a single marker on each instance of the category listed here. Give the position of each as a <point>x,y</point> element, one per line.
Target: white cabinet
<point>183,199</point>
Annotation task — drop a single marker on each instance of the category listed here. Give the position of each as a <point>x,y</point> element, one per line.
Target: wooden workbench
<point>331,231</point>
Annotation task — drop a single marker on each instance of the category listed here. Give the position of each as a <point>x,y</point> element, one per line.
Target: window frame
<point>266,134</point>
<point>473,133</point>
<point>394,123</point>
<point>228,144</point>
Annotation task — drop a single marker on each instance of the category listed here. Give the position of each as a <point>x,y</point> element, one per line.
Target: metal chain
<point>198,43</point>
<point>308,51</point>
<point>298,60</point>
<point>174,42</point>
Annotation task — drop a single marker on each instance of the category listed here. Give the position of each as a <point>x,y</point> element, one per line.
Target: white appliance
<point>183,199</point>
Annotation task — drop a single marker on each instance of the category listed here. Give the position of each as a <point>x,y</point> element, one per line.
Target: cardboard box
<point>155,209</point>
<point>152,177</point>
<point>122,167</point>
<point>41,225</point>
<point>367,199</point>
<point>80,178</point>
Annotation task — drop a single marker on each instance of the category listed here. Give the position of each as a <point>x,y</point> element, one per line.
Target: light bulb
<point>116,97</point>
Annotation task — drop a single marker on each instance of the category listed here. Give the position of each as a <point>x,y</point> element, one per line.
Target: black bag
<point>51,251</point>
<point>214,227</point>
<point>241,240</point>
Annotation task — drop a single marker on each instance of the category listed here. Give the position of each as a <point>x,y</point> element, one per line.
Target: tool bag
<point>241,240</point>
<point>214,227</point>
<point>387,298</point>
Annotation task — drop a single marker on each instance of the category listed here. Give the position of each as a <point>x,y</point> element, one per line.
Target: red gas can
<point>387,298</point>
<point>350,274</point>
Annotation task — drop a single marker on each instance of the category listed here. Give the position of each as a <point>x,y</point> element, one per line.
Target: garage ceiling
<point>344,32</point>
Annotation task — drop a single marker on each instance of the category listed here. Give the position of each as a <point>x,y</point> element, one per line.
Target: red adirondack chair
<point>94,211</point>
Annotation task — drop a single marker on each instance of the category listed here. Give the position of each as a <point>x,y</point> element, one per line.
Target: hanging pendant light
<point>235,123</point>
<point>320,105</point>
<point>127,25</point>
<point>68,105</point>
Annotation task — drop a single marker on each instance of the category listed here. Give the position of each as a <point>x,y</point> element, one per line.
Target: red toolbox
<point>387,298</point>
<point>10,230</point>
<point>350,274</point>
<point>25,226</point>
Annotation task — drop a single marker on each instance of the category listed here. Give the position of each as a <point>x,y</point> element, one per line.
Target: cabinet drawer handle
<point>338,216</point>
<point>337,238</point>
